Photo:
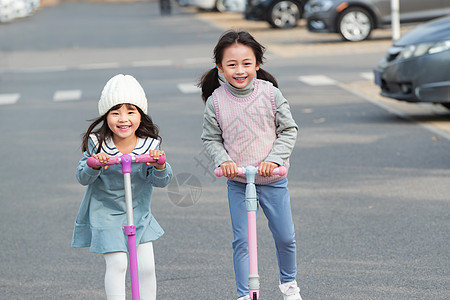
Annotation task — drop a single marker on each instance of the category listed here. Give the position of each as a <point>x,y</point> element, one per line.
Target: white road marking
<point>99,66</point>
<point>152,63</point>
<point>317,80</point>
<point>9,98</point>
<point>115,65</point>
<point>188,88</point>
<point>199,60</point>
<point>367,75</point>
<point>43,69</point>
<point>67,95</point>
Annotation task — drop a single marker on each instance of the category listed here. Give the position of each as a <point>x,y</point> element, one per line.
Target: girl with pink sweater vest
<point>247,121</point>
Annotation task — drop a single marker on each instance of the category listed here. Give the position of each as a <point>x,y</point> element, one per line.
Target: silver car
<point>354,20</point>
<point>417,67</point>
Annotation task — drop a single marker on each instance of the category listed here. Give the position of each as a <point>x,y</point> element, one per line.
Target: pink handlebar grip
<point>145,158</point>
<point>219,173</point>
<point>93,162</point>
<point>281,171</point>
<point>114,160</point>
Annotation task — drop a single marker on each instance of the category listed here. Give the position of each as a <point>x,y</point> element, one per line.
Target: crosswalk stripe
<point>317,80</point>
<point>367,75</point>
<point>188,88</point>
<point>9,98</point>
<point>67,95</point>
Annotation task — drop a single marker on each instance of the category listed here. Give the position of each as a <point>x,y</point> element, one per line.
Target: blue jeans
<point>275,202</point>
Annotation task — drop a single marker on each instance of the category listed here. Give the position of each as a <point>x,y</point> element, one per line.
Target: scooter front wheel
<point>255,296</point>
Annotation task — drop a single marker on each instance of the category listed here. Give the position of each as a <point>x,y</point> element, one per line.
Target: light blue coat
<point>102,214</point>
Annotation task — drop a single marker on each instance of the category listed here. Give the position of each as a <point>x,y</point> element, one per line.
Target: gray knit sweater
<point>286,128</point>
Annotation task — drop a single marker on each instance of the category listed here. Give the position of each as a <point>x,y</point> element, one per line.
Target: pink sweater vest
<point>248,126</point>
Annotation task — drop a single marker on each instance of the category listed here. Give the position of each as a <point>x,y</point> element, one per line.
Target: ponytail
<point>209,82</point>
<point>264,75</point>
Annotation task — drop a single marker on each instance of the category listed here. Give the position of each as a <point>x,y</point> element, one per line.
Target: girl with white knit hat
<point>122,128</point>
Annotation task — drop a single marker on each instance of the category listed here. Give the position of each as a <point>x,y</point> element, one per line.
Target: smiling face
<point>238,65</point>
<point>123,122</point>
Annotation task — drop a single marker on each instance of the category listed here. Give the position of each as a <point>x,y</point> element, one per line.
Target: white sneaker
<point>244,298</point>
<point>290,290</point>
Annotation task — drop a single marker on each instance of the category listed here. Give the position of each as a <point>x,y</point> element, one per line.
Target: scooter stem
<point>250,190</point>
<point>130,229</point>
<point>252,205</point>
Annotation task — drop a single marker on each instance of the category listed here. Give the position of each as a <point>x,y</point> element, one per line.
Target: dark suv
<point>279,13</point>
<point>354,20</point>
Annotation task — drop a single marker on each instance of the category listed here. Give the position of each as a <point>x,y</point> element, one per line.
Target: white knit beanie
<point>122,89</point>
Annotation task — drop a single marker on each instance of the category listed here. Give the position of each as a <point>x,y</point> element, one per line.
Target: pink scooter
<point>252,205</point>
<point>130,229</point>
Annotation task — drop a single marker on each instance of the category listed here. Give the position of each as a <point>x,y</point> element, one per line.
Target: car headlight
<point>318,6</point>
<point>424,48</point>
<point>439,47</point>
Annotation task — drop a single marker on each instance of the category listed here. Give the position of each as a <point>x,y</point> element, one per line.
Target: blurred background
<point>369,176</point>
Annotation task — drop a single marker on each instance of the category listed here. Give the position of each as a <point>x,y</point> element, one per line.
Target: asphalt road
<point>369,181</point>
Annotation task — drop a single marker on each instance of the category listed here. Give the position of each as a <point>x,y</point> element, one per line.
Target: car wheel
<point>355,24</point>
<point>284,14</point>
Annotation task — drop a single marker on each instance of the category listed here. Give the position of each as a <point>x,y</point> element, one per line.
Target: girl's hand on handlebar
<point>156,154</point>
<point>102,158</point>
<point>230,169</point>
<point>266,168</point>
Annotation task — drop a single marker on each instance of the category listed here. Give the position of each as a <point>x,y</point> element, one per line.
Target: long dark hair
<point>146,129</point>
<point>210,80</point>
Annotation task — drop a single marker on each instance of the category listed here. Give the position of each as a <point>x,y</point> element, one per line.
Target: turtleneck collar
<point>241,93</point>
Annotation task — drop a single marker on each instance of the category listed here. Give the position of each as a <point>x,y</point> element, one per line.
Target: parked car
<point>13,9</point>
<point>279,13</point>
<point>354,20</point>
<point>417,67</point>
<point>218,5</point>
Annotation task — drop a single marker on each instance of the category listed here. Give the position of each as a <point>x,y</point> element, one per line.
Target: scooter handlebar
<point>146,158</point>
<point>93,162</point>
<point>281,170</point>
<point>114,160</point>
<point>219,172</point>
